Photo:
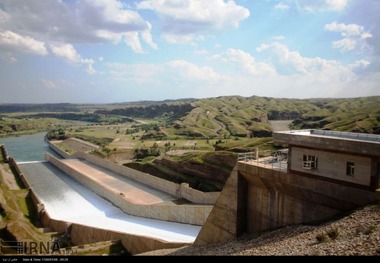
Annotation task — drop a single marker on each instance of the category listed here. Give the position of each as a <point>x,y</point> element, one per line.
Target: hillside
<point>220,117</point>
<point>353,234</point>
<point>238,116</point>
<point>249,117</point>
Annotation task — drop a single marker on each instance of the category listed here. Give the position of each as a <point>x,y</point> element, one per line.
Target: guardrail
<point>275,160</point>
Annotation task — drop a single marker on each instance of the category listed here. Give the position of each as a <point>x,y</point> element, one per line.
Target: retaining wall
<point>58,150</point>
<point>81,235</point>
<point>4,153</point>
<point>257,199</point>
<point>187,214</point>
<point>178,190</point>
<point>79,145</point>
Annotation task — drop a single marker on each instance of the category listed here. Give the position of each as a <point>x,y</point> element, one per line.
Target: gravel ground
<point>356,234</point>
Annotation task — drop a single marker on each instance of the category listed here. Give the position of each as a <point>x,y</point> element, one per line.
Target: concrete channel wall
<point>179,190</point>
<point>186,213</point>
<point>4,153</point>
<point>81,234</point>
<point>58,150</point>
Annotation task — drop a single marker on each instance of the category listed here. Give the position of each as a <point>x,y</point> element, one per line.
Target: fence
<point>275,160</point>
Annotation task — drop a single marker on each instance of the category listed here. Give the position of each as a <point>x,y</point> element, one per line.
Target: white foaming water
<point>66,199</point>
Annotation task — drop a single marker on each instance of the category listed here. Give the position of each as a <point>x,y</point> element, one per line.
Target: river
<point>27,148</point>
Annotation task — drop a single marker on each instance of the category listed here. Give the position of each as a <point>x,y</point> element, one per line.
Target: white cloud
<point>147,37</point>
<point>281,6</point>
<point>191,39</point>
<point>113,11</point>
<point>201,52</point>
<point>49,84</point>
<point>75,22</point>
<point>191,17</point>
<point>293,63</point>
<point>245,62</point>
<point>279,38</point>
<point>68,52</point>
<point>354,36</point>
<point>336,5</point>
<point>359,64</point>
<point>132,40</point>
<point>172,71</point>
<point>193,72</point>
<point>322,5</point>
<point>22,43</point>
<point>90,65</point>
<point>240,73</point>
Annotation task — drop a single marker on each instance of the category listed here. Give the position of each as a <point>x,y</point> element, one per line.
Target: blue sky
<point>104,51</point>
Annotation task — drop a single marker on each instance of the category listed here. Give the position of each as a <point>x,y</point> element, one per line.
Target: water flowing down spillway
<point>66,199</point>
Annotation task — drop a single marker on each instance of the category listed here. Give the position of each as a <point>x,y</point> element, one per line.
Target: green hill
<point>249,116</point>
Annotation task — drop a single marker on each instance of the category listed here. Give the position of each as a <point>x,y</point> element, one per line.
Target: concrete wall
<point>196,196</point>
<point>79,145</point>
<point>257,199</point>
<point>188,214</point>
<point>4,153</point>
<point>81,235</point>
<point>226,220</point>
<point>333,165</point>
<point>58,150</point>
<point>180,191</point>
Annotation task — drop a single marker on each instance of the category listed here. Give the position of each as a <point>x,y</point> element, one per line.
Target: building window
<point>310,162</point>
<point>350,168</point>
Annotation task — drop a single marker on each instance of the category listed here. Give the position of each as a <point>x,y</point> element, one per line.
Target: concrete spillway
<point>135,192</point>
<point>66,199</point>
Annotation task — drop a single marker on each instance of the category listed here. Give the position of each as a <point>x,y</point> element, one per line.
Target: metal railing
<point>276,160</point>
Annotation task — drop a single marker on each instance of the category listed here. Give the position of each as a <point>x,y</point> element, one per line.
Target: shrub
<point>333,233</point>
<point>321,237</point>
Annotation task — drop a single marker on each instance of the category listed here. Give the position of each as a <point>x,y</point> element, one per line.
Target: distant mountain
<point>48,107</point>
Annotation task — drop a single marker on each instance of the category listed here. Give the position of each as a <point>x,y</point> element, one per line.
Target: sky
<point>108,51</point>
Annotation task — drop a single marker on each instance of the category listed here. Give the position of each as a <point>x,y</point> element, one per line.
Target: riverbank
<point>21,133</point>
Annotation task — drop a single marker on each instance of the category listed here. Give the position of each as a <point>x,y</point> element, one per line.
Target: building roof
<point>350,142</point>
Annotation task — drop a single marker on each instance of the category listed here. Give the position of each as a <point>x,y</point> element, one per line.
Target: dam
<point>97,200</point>
<point>66,199</point>
<point>319,176</point>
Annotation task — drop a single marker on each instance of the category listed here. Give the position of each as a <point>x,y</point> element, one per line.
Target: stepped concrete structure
<point>322,174</point>
<point>143,211</point>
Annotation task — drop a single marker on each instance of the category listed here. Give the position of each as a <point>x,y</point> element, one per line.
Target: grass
<point>27,206</point>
